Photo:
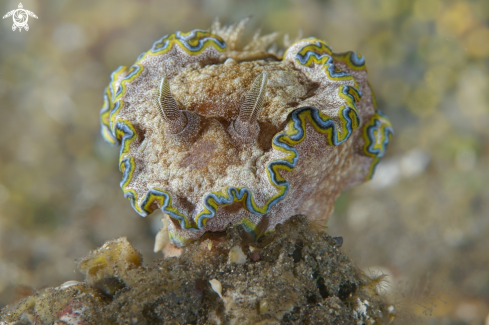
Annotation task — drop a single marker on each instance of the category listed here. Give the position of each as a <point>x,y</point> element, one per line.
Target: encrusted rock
<point>302,277</point>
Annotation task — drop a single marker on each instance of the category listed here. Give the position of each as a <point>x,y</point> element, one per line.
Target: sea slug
<point>215,133</point>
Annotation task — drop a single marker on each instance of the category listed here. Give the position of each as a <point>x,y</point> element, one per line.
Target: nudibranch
<point>214,133</point>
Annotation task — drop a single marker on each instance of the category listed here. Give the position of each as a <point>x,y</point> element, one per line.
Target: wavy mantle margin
<point>116,130</point>
<point>376,134</point>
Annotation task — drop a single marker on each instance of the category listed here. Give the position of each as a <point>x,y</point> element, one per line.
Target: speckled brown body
<point>312,141</point>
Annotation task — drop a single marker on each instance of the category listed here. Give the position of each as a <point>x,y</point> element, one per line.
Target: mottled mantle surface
<point>319,132</point>
<point>293,276</point>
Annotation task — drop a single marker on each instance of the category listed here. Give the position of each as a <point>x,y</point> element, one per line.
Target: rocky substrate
<point>295,275</point>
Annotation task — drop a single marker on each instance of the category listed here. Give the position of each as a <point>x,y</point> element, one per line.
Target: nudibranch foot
<point>250,142</point>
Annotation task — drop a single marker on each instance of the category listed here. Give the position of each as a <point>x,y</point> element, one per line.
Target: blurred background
<point>423,220</point>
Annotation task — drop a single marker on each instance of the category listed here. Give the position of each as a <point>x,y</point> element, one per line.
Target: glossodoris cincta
<point>214,133</point>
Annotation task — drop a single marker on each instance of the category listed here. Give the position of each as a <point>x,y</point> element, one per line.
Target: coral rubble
<point>292,276</point>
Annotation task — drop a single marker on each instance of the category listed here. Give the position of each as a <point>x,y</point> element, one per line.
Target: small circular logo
<point>20,17</point>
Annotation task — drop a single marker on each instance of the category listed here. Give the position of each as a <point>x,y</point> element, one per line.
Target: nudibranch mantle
<point>319,132</point>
